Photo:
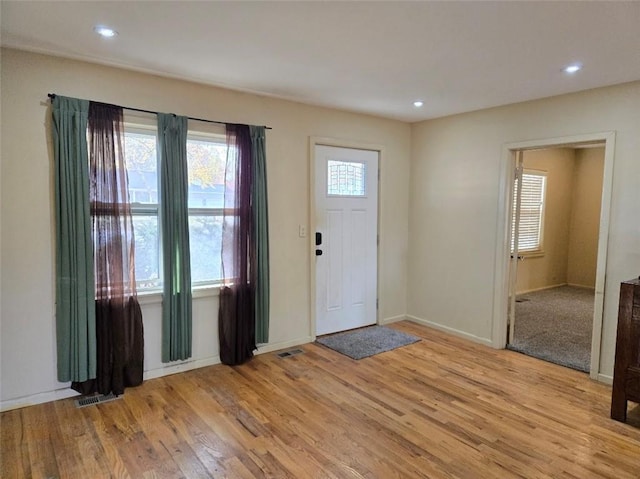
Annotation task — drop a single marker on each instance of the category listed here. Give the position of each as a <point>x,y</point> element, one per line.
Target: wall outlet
<point>302,231</point>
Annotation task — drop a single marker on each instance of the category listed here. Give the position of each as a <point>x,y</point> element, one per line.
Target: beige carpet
<point>555,325</point>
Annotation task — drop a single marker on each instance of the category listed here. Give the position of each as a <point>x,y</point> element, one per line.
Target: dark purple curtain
<point>236,319</point>
<point>119,330</point>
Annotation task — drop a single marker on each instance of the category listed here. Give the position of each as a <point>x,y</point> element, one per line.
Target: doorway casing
<point>501,280</point>
<point>340,143</point>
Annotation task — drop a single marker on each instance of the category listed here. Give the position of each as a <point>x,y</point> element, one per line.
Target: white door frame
<point>340,143</point>
<point>515,254</point>
<point>501,284</point>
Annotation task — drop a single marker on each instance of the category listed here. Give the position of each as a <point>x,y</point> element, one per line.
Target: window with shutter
<point>531,212</point>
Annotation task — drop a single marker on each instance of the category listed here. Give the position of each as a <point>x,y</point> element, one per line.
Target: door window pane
<point>346,178</point>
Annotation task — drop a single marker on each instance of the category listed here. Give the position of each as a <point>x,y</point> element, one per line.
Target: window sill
<point>155,296</point>
<point>206,291</point>
<point>531,254</point>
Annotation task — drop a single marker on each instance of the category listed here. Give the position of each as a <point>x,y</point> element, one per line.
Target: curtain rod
<point>53,95</point>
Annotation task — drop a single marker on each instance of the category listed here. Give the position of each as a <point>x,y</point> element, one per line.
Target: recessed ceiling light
<point>105,31</point>
<point>572,68</point>
<point>418,103</point>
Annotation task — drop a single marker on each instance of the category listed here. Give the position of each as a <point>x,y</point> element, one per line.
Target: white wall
<point>27,229</point>
<point>455,190</point>
<point>585,217</point>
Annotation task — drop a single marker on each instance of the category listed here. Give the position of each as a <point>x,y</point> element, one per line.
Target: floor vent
<point>522,300</point>
<point>91,400</point>
<point>291,352</point>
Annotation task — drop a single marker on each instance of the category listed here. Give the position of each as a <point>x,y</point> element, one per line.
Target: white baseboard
<point>605,378</point>
<point>184,366</point>
<point>542,288</point>
<point>556,286</point>
<point>447,329</point>
<point>190,364</point>
<point>269,348</point>
<point>38,398</point>
<point>583,286</point>
<point>393,319</point>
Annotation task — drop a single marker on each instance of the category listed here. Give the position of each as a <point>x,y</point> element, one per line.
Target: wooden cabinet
<point>626,373</point>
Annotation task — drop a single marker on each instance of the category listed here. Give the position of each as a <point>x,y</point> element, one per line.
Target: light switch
<point>302,231</point>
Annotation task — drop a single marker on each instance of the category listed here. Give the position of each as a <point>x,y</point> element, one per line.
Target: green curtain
<point>260,221</point>
<point>174,218</point>
<point>75,288</point>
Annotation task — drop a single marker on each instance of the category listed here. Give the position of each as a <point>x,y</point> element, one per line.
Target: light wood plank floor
<point>439,408</point>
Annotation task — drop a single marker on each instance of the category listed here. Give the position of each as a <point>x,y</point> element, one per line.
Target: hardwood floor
<point>439,408</point>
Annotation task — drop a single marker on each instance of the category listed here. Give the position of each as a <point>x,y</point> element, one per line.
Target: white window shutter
<point>531,211</point>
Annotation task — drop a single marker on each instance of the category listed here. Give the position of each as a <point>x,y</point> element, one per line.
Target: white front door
<point>346,184</point>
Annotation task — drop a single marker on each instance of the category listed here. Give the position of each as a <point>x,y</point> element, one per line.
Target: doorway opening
<point>554,241</point>
<point>552,260</point>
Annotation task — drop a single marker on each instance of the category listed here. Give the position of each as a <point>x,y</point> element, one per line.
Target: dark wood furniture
<point>626,373</point>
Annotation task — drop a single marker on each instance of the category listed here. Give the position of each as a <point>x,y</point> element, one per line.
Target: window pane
<point>346,178</point>
<point>145,230</point>
<point>205,238</point>
<point>142,171</point>
<point>142,167</point>
<point>206,163</point>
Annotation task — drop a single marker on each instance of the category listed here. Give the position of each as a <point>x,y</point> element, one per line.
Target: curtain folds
<point>236,317</point>
<point>243,318</point>
<point>75,309</point>
<point>100,338</point>
<point>174,218</point>
<point>119,329</point>
<point>261,222</point>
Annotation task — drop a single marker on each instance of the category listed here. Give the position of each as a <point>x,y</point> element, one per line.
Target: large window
<point>532,200</point>
<point>206,157</point>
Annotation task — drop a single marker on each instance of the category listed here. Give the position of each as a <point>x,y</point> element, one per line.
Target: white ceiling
<point>369,57</point>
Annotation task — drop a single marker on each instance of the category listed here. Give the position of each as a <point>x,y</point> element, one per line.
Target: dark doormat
<point>365,342</point>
